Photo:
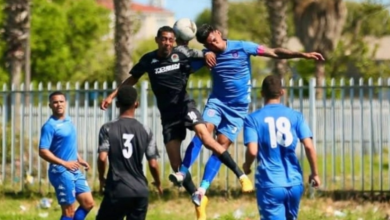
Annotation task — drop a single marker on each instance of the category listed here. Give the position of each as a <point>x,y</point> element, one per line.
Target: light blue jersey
<point>59,136</point>
<point>277,129</point>
<point>232,74</point>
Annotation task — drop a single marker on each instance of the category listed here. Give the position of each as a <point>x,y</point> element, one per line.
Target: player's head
<point>272,87</point>
<point>57,103</point>
<point>211,38</point>
<point>127,98</point>
<point>165,39</point>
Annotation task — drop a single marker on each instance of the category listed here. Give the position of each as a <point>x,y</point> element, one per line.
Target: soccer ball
<point>185,29</point>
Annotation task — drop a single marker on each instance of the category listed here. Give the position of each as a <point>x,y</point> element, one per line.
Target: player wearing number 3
<point>125,141</point>
<point>271,135</point>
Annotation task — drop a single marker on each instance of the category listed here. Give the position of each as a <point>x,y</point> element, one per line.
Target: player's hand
<point>71,165</point>
<point>210,59</point>
<point>84,164</point>
<point>102,184</point>
<point>314,180</point>
<point>246,168</point>
<point>105,103</point>
<point>158,187</point>
<point>313,56</point>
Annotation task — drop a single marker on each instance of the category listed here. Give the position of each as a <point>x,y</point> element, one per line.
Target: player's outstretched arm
<point>107,101</point>
<point>282,53</point>
<point>312,158</point>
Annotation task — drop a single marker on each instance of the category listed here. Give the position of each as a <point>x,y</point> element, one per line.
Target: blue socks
<point>211,170</point>
<point>191,154</point>
<point>66,218</point>
<point>212,166</point>
<point>80,213</point>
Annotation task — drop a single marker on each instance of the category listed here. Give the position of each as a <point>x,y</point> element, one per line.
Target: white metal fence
<point>350,122</point>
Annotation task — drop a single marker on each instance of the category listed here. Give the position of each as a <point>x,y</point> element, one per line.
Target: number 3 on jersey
<point>279,131</point>
<point>128,147</point>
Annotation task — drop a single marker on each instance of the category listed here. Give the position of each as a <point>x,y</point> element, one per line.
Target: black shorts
<point>175,122</point>
<point>134,208</point>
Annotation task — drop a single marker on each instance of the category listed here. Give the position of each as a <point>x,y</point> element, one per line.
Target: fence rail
<point>350,122</point>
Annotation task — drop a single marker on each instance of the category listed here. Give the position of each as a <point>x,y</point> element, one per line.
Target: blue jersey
<point>277,130</point>
<point>232,74</point>
<point>59,136</point>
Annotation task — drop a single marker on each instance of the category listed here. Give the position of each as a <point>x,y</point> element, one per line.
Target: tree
<point>123,32</point>
<point>353,55</point>
<point>318,25</point>
<point>219,15</point>
<point>16,35</point>
<point>67,41</point>
<point>277,16</point>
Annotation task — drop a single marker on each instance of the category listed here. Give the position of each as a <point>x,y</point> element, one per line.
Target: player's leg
<point>173,136</point>
<point>83,196</point>
<point>213,165</point>
<point>138,209</point>
<point>294,198</point>
<point>209,142</point>
<point>212,116</point>
<point>111,209</point>
<point>230,126</point>
<point>192,152</point>
<point>271,203</point>
<point>194,120</point>
<point>64,186</point>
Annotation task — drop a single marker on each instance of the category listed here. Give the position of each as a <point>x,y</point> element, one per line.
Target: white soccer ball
<point>185,29</point>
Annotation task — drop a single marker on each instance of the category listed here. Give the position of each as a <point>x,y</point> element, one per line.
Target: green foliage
<point>353,55</point>
<point>67,40</point>
<point>368,17</point>
<point>247,20</point>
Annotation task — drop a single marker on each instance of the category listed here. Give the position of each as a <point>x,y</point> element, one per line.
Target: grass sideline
<point>175,204</point>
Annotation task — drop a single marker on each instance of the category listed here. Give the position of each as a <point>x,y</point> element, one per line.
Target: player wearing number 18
<point>271,134</point>
<point>125,141</point>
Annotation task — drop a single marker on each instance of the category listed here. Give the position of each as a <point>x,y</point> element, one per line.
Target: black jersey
<point>127,141</point>
<point>168,77</point>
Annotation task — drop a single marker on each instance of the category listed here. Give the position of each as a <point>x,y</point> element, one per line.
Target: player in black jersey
<point>125,141</point>
<point>168,72</point>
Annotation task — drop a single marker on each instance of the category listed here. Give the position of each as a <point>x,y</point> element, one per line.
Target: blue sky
<point>191,8</point>
<point>184,8</point>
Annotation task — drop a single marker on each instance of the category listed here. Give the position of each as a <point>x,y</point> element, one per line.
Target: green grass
<point>175,205</point>
<point>338,173</point>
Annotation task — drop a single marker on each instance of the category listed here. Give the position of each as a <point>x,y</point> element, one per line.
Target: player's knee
<point>224,141</point>
<point>88,205</point>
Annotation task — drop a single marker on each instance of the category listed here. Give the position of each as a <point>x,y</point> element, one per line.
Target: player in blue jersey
<point>58,146</point>
<point>229,101</point>
<point>271,135</point>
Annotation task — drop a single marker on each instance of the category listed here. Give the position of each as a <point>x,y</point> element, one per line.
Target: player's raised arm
<point>282,53</point>
<point>277,53</point>
<point>136,72</point>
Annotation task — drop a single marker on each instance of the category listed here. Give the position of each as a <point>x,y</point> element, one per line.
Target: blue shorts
<point>68,185</point>
<point>228,119</point>
<point>279,203</point>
